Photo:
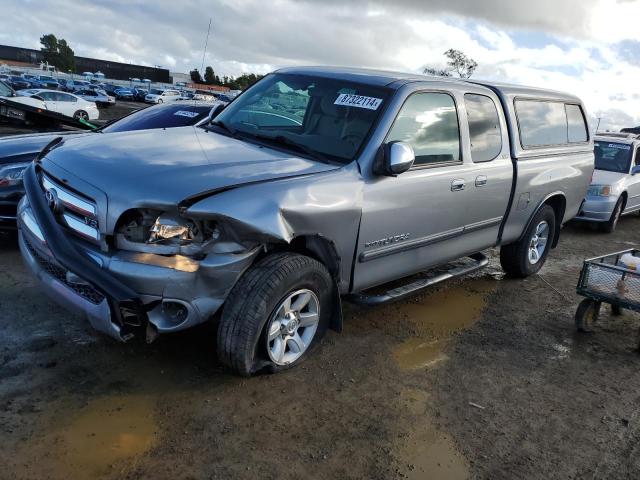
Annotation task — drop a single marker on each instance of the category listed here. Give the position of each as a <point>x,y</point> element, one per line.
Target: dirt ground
<point>484,378</point>
<point>481,378</point>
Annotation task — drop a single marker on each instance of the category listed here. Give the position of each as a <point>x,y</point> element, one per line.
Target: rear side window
<point>577,127</point>
<point>429,123</point>
<point>541,123</point>
<point>484,127</point>
<point>544,123</point>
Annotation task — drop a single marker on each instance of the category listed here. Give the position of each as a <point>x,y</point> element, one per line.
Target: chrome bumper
<point>59,283</point>
<point>196,288</point>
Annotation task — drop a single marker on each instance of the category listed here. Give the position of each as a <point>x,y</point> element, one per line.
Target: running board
<point>399,293</point>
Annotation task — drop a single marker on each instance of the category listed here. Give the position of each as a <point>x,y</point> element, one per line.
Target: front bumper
<point>121,292</point>
<point>597,209</point>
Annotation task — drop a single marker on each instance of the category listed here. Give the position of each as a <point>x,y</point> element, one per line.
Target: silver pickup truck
<point>313,185</point>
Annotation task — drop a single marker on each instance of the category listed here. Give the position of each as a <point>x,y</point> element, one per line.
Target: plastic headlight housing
<point>599,191</point>
<point>11,175</point>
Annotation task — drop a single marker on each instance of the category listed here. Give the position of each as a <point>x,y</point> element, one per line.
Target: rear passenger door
<point>446,206</point>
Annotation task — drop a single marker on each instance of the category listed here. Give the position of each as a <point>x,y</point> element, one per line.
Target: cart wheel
<point>616,309</point>
<point>587,315</point>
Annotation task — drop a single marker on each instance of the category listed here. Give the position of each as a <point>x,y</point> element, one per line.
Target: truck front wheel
<point>275,314</point>
<point>526,256</point>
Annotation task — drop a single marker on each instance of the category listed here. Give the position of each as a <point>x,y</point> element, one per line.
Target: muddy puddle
<point>105,437</point>
<point>435,317</point>
<point>426,453</point>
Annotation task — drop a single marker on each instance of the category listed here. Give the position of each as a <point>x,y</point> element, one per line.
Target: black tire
<point>514,257</point>
<point>160,100</point>
<point>587,315</point>
<point>610,225</point>
<point>81,114</point>
<point>242,344</point>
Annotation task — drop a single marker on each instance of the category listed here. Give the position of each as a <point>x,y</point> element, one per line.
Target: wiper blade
<point>282,140</point>
<point>224,126</point>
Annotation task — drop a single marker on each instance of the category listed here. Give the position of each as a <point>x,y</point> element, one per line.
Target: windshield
<point>327,117</point>
<point>612,157</point>
<point>155,91</point>
<point>5,90</point>
<point>180,115</point>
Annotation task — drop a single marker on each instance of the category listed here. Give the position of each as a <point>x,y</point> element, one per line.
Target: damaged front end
<point>160,272</point>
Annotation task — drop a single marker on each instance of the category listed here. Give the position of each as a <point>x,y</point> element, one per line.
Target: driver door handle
<point>457,185</point>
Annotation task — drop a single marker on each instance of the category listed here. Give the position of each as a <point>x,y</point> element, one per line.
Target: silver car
<point>313,186</point>
<point>615,186</point>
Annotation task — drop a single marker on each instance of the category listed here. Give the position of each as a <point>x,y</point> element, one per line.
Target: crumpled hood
<point>161,168</point>
<point>603,177</point>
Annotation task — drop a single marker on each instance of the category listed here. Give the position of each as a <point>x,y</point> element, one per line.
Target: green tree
<point>457,62</point>
<point>57,52</point>
<point>209,76</point>
<point>195,76</point>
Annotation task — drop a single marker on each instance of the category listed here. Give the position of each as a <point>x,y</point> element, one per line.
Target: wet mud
<point>481,378</point>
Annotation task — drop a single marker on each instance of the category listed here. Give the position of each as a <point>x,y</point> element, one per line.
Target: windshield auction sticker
<point>359,101</point>
<point>620,146</point>
<point>186,113</point>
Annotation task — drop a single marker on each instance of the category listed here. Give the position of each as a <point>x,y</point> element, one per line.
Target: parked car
<point>17,151</point>
<point>61,102</point>
<point>186,95</point>
<point>124,94</point>
<point>32,80</point>
<point>18,83</point>
<point>74,85</point>
<point>111,89</point>
<point>615,186</point>
<point>162,96</point>
<point>48,82</point>
<point>139,94</point>
<point>266,218</point>
<point>100,97</point>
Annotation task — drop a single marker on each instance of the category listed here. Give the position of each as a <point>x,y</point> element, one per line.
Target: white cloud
<point>571,45</point>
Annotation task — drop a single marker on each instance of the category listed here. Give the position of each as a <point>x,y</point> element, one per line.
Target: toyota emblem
<point>52,200</point>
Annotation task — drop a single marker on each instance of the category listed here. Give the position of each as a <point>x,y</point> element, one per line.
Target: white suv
<point>162,96</point>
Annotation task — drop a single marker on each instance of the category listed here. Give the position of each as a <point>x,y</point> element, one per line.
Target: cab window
<point>576,126</point>
<point>429,123</point>
<point>485,133</point>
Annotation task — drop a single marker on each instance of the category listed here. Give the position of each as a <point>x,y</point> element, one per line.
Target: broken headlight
<point>171,228</point>
<point>165,233</point>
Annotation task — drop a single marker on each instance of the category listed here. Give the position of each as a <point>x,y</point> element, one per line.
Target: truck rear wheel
<point>276,313</point>
<point>526,256</point>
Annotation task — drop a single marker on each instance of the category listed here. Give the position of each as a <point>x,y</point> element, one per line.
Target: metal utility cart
<point>604,280</point>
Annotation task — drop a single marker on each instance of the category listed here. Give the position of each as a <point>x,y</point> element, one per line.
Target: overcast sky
<point>588,47</point>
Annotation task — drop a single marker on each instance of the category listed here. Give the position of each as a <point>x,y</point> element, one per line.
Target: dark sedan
<point>124,94</point>
<point>17,152</point>
<point>18,83</point>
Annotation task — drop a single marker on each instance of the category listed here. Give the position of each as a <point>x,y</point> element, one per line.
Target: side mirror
<point>398,157</point>
<point>635,170</point>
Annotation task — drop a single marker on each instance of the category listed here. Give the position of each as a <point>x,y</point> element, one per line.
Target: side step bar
<point>403,291</point>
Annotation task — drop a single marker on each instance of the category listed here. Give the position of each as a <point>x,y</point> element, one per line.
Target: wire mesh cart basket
<point>607,280</point>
